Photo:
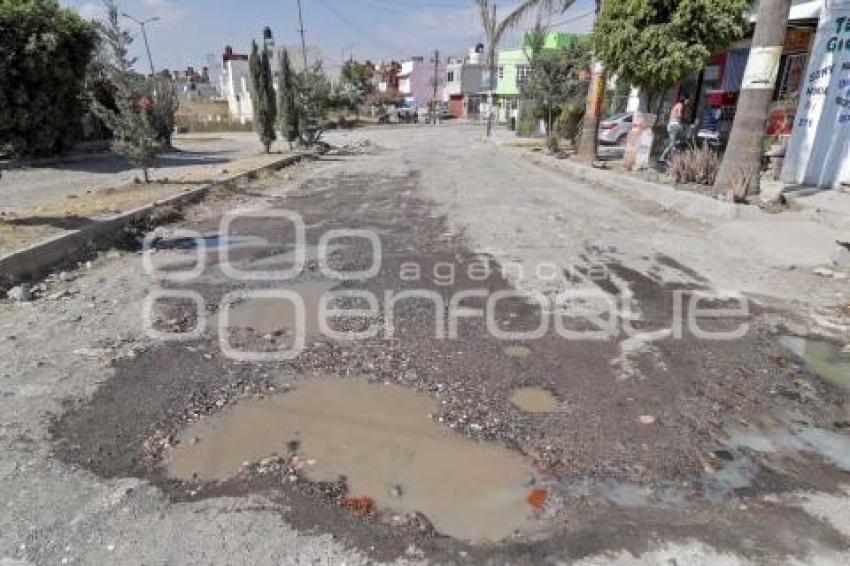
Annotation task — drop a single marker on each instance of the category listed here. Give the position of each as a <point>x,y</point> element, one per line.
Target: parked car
<point>443,113</point>
<point>614,130</point>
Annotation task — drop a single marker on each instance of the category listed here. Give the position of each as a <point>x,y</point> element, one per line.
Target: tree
<point>557,76</point>
<point>654,44</point>
<point>131,121</point>
<point>495,29</point>
<point>44,53</point>
<point>263,96</point>
<point>356,82</point>
<point>314,100</point>
<point>590,130</point>
<point>286,99</point>
<point>741,164</point>
<point>165,106</point>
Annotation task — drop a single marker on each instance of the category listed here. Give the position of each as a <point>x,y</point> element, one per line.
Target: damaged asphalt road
<point>642,442</point>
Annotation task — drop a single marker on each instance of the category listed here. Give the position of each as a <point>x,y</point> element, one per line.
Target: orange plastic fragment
<point>537,498</point>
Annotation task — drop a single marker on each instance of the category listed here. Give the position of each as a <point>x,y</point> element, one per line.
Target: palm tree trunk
<point>492,97</point>
<point>587,148</point>
<point>742,161</point>
<point>491,60</point>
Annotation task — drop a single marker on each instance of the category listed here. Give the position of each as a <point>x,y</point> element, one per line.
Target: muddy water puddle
<point>210,242</point>
<point>278,314</point>
<point>824,358</point>
<point>382,439</point>
<point>534,400</point>
<point>794,437</point>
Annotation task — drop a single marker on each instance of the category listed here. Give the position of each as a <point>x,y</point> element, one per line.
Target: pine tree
<point>263,94</point>
<point>286,96</point>
<point>132,124</point>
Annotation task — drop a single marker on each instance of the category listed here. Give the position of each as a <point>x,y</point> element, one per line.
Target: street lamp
<point>142,24</point>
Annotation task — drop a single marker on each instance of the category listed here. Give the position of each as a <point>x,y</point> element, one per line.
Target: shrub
<point>552,142</point>
<point>44,53</point>
<point>528,121</point>
<point>694,166</point>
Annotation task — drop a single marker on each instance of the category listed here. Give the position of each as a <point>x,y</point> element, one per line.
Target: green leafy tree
<point>286,99</point>
<point>557,77</point>
<point>263,96</point>
<point>44,53</point>
<point>356,81</point>
<point>654,44</point>
<point>315,98</point>
<point>131,120</point>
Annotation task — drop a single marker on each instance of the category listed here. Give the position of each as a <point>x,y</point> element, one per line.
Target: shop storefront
<point>719,85</point>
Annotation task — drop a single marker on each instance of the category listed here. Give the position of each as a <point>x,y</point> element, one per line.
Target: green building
<point>513,69</point>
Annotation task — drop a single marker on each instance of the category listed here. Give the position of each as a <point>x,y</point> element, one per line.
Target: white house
<point>235,85</point>
<point>235,79</point>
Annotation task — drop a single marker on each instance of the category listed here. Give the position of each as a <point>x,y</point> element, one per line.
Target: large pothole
<point>382,439</point>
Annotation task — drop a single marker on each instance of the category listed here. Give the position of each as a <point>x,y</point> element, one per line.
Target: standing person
<point>676,127</point>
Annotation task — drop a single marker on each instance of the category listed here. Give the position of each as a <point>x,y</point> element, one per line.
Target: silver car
<point>614,130</point>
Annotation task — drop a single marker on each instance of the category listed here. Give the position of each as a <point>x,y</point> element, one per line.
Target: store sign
<point>798,40</point>
<point>819,151</point>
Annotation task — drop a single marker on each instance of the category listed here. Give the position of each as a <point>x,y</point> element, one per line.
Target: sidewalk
<point>197,157</point>
<point>823,205</point>
<point>37,203</point>
<point>804,236</point>
<point>35,240</point>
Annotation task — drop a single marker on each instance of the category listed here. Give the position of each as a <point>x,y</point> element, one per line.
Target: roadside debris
<point>362,506</point>
<point>21,294</point>
<point>841,256</point>
<point>360,147</point>
<point>537,498</point>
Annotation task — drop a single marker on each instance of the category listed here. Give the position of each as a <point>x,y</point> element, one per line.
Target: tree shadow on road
<point>116,164</point>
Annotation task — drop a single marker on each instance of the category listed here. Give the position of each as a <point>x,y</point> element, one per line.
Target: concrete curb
<point>36,260</point>
<point>692,205</point>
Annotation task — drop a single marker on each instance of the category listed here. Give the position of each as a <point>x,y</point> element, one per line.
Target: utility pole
<point>741,165</point>
<point>436,83</point>
<point>142,24</point>
<point>301,31</point>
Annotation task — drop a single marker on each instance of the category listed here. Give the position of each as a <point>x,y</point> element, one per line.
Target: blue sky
<point>373,29</point>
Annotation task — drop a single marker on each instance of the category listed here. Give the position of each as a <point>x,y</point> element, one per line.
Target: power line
<point>357,27</point>
<point>573,19</point>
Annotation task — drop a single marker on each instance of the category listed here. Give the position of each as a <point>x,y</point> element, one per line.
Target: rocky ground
<point>662,447</point>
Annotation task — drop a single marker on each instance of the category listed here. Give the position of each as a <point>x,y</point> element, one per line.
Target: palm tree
<point>742,161</point>
<point>495,29</point>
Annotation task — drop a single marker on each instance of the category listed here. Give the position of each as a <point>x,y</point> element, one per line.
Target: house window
<point>451,77</point>
<point>523,72</point>
<point>501,73</point>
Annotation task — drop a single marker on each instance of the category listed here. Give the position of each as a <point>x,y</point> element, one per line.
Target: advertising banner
<point>819,150</point>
